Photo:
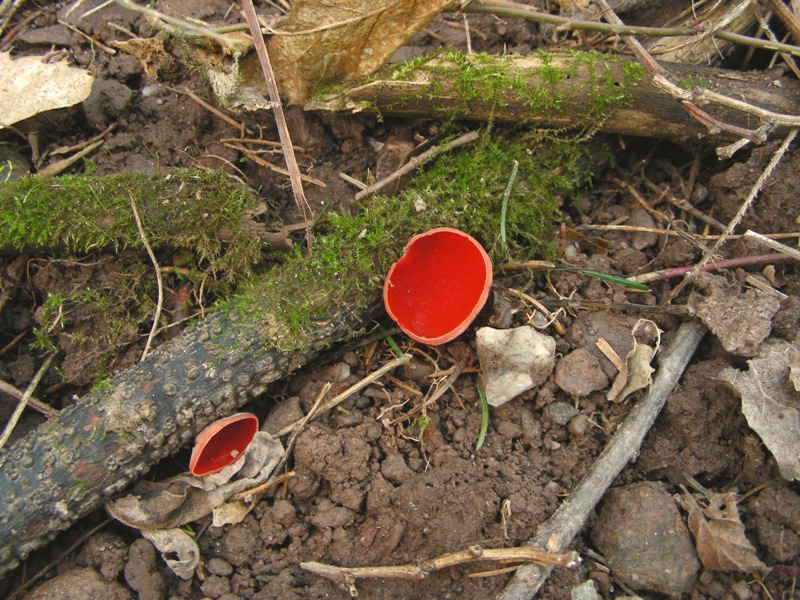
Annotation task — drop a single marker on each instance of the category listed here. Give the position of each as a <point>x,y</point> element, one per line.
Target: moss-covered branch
<point>575,90</point>
<point>204,212</point>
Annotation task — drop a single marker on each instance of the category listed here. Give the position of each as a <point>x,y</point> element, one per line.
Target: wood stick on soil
<point>556,534</point>
<point>347,576</point>
<point>416,162</point>
<point>23,402</point>
<point>280,117</point>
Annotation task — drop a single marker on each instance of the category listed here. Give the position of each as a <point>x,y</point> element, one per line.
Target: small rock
<point>141,572</point>
<point>579,373</point>
<point>395,469</point>
<point>645,540</point>
<point>285,413</point>
<point>79,584</point>
<point>216,586</point>
<point>513,361</point>
<point>416,370</point>
<point>219,566</point>
<point>560,412</point>
<point>585,591</point>
<point>642,239</point>
<point>329,515</point>
<point>579,425</point>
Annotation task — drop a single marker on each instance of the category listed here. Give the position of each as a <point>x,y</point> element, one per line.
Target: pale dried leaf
<point>794,369</point>
<point>178,549</point>
<point>187,498</point>
<point>333,42</point>
<point>637,374</point>
<point>770,403</point>
<point>29,86</point>
<point>719,535</point>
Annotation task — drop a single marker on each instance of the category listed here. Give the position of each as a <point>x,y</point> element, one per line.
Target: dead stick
<point>556,534</point>
<point>417,161</point>
<point>280,117</point>
<point>346,576</point>
<point>23,402</point>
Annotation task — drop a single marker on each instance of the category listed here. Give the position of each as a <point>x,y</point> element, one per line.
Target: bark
<point>95,448</point>
<point>576,91</point>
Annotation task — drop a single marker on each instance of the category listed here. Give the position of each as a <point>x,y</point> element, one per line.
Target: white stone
<point>513,361</point>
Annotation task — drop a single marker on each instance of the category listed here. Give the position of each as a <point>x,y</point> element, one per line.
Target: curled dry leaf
<point>770,403</point>
<point>325,43</point>
<point>30,85</point>
<point>719,534</point>
<point>637,372</point>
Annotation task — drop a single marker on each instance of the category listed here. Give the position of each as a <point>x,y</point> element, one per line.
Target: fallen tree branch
<point>556,534</point>
<point>583,91</point>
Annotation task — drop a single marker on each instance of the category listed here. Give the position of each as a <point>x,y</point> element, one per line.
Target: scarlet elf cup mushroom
<point>438,286</point>
<point>222,442</point>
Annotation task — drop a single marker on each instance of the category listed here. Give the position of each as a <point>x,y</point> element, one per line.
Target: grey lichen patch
<point>124,415</point>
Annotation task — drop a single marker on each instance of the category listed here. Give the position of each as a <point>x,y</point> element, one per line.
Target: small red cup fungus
<point>222,442</point>
<point>438,286</point>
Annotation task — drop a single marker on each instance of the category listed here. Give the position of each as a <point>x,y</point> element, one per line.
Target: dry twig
<point>159,280</point>
<point>280,117</point>
<point>15,416</point>
<point>347,576</point>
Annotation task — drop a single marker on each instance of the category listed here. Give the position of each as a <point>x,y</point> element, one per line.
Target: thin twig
<point>36,404</point>
<point>772,244</point>
<point>416,162</point>
<point>504,8</point>
<point>557,533</point>
<point>181,24</point>
<point>280,117</point>
<point>347,576</point>
<point>61,556</point>
<point>748,202</point>
<point>12,422</point>
<point>301,424</point>
<point>711,266</point>
<point>159,280</point>
<point>504,206</point>
<point>333,402</point>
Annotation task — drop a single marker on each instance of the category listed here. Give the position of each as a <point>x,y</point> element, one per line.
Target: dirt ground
<point>369,488</point>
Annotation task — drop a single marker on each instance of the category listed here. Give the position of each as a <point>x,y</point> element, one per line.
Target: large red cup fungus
<point>222,442</point>
<point>438,286</point>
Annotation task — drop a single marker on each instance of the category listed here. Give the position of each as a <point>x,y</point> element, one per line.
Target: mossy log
<point>277,322</point>
<point>205,212</point>
<point>577,90</point>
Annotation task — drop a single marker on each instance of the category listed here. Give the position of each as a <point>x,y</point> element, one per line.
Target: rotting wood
<point>583,91</point>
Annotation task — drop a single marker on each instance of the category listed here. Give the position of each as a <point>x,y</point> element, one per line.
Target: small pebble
<point>560,412</point>
<point>219,566</point>
<point>579,425</point>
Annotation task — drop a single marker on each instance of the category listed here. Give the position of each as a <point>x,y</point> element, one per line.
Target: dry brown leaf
<point>178,549</point>
<point>719,534</point>
<point>332,42</point>
<point>770,403</point>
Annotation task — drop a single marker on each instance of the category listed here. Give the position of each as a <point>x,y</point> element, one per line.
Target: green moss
<point>190,209</point>
<point>545,89</point>
<point>462,189</point>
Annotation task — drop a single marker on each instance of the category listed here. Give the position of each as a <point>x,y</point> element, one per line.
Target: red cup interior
<point>222,442</point>
<point>435,290</point>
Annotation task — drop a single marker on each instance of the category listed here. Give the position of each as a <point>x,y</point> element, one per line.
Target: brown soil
<point>369,490</point>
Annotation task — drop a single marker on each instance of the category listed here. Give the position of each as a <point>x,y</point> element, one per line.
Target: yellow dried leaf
<point>332,42</point>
